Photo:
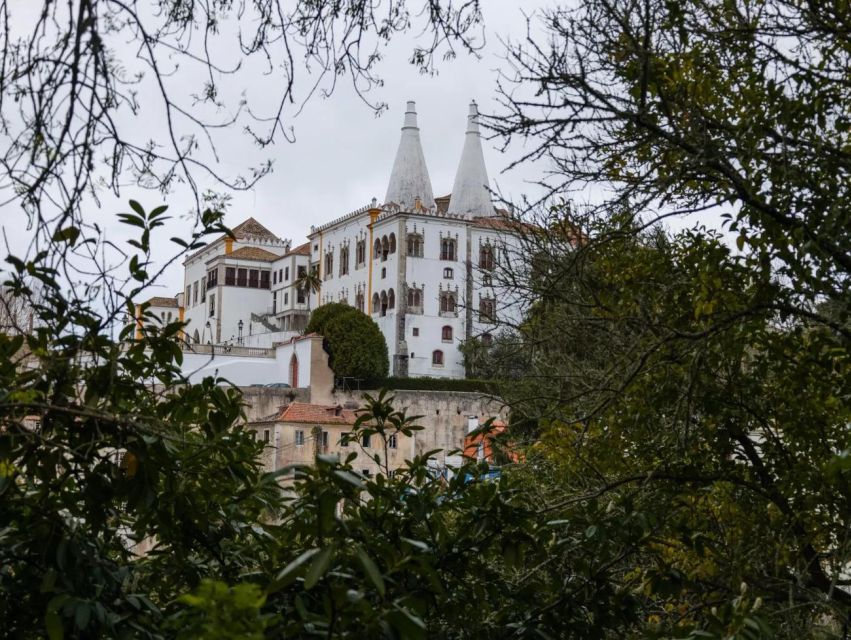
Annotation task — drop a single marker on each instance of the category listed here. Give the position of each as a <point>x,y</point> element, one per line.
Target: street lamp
<point>239,326</point>
<point>210,339</point>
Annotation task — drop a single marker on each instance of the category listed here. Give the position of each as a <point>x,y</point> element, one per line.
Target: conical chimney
<point>470,196</point>
<point>410,186</point>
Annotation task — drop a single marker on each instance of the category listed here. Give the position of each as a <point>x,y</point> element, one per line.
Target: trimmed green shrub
<point>355,345</point>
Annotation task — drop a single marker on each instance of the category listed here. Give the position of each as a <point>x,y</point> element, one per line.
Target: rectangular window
<point>212,305</point>
<point>253,278</point>
<point>265,435</point>
<point>274,277</point>
<point>274,302</point>
<point>203,288</point>
<point>344,439</point>
<point>264,279</point>
<point>286,298</point>
<point>188,300</point>
<point>230,276</point>
<point>299,438</point>
<point>447,273</point>
<point>416,331</point>
<point>323,440</point>
<point>212,278</point>
<point>242,277</point>
<point>365,440</point>
<point>195,293</point>
<point>391,442</point>
<point>287,274</point>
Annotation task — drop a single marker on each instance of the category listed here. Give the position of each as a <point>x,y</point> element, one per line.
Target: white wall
<point>243,370</point>
<point>430,270</point>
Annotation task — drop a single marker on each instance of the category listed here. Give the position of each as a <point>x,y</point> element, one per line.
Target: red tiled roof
<point>300,250</point>
<point>160,301</point>
<point>252,253</point>
<point>500,223</point>
<point>316,414</point>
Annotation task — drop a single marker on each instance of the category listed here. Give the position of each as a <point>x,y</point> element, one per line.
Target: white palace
<point>420,266</point>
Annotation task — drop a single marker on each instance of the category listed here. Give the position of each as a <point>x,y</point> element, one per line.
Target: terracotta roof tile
<point>300,250</point>
<point>160,301</point>
<point>500,223</point>
<point>303,412</point>
<point>253,253</point>
<point>254,229</point>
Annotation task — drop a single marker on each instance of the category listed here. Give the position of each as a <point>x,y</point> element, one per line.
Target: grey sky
<point>342,154</point>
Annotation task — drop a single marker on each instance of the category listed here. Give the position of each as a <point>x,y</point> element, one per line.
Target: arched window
<point>383,303</point>
<point>329,264</point>
<point>487,310</point>
<point>344,261</point>
<point>376,303</point>
<point>415,300</point>
<point>437,358</point>
<point>196,338</point>
<point>487,339</point>
<point>447,249</point>
<point>486,260</point>
<point>359,301</point>
<point>385,248</point>
<point>448,302</point>
<point>415,245</point>
<point>376,249</point>
<point>392,243</point>
<point>294,371</point>
<point>446,333</point>
<point>391,299</point>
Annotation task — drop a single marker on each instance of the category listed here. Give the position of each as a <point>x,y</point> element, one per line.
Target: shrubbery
<point>355,345</point>
<point>439,384</point>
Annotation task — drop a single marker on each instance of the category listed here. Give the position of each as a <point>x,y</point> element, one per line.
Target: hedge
<point>440,384</point>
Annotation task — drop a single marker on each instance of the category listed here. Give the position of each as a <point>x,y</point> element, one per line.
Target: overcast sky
<point>342,154</point>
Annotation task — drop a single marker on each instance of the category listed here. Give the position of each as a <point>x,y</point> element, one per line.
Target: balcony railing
<point>229,350</point>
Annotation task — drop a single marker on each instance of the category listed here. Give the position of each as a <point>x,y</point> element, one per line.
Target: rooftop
<point>254,229</point>
<point>252,253</point>
<point>300,250</point>
<point>161,301</point>
<point>303,412</point>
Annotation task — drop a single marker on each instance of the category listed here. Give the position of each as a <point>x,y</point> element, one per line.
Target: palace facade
<point>420,266</point>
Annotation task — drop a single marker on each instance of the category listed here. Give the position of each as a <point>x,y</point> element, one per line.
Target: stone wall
<point>264,401</point>
<point>446,415</point>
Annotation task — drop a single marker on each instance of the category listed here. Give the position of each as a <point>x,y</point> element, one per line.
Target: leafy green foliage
<point>125,453</point>
<point>216,612</point>
<point>104,447</point>
<point>355,345</point>
<point>703,381</point>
